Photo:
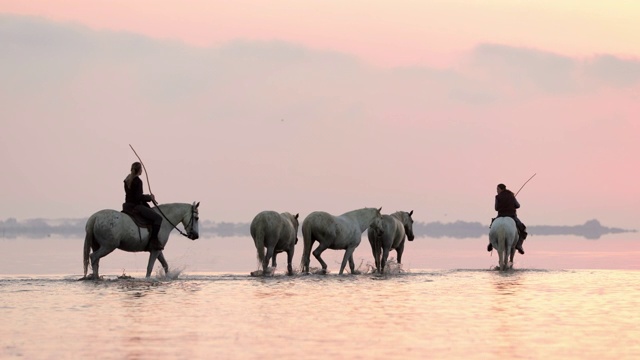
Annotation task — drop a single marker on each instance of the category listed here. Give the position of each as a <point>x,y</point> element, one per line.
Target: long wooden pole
<point>525,183</point>
<point>146,174</point>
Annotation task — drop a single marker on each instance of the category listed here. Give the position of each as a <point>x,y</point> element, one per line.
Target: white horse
<point>504,237</point>
<point>108,230</point>
<point>278,233</point>
<point>389,233</point>
<point>342,232</point>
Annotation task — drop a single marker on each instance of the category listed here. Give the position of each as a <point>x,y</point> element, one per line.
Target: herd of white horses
<point>274,232</point>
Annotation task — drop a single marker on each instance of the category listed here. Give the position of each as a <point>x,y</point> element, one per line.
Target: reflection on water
<point>417,314</point>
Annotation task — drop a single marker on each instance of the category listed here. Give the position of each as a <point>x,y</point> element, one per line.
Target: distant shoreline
<point>41,228</point>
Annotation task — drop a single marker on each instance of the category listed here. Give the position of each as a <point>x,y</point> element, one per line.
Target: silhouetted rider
<point>136,200</point>
<point>506,205</point>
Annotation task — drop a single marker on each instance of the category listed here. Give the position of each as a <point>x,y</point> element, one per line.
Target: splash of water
<point>392,267</point>
<point>270,272</point>
<point>171,275</point>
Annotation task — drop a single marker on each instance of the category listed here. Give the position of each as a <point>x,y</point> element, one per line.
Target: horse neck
<point>399,215</point>
<point>174,212</point>
<point>290,219</point>
<point>363,217</point>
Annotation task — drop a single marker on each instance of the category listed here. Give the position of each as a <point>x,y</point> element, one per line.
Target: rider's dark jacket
<point>506,203</point>
<point>134,195</point>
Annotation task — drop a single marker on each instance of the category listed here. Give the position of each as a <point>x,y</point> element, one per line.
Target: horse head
<point>295,223</point>
<point>190,222</point>
<point>408,225</point>
<point>296,226</point>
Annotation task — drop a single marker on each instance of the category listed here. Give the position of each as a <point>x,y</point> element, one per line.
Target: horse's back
<point>273,225</point>
<point>264,220</point>
<point>392,230</point>
<point>503,222</point>
<point>105,216</point>
<point>318,220</point>
<point>111,223</point>
<point>320,226</point>
<point>503,226</point>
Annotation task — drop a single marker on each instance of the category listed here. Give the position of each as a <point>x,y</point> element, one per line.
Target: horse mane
<point>349,213</point>
<point>172,204</point>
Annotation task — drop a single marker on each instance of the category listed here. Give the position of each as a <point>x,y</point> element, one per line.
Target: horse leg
<point>164,263</point>
<point>265,262</point>
<point>317,252</point>
<point>95,259</point>
<point>507,253</point>
<point>385,257</point>
<point>376,255</point>
<point>399,252</point>
<point>513,252</point>
<point>153,255</point>
<point>289,260</point>
<point>273,260</point>
<point>348,256</point>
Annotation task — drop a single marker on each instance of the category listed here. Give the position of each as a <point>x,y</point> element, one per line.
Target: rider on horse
<point>506,205</point>
<point>137,201</point>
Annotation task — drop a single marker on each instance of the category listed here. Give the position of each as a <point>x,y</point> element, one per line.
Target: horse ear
<point>198,204</point>
<point>411,213</point>
<point>380,210</point>
<point>298,214</point>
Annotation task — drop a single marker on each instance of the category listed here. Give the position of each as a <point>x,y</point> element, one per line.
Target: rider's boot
<point>489,247</point>
<point>522,236</point>
<point>154,243</point>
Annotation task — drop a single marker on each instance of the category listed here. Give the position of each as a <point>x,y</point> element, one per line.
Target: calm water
<point>479,314</point>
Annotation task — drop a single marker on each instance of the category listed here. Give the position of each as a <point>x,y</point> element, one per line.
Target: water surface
<point>456,313</point>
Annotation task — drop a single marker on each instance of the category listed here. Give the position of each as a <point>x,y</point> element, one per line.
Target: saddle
<point>136,217</point>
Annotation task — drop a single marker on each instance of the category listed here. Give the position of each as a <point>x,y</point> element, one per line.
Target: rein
<point>172,224</point>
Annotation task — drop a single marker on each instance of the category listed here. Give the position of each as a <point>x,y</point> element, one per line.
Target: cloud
<point>279,77</point>
<point>524,71</point>
<point>613,71</point>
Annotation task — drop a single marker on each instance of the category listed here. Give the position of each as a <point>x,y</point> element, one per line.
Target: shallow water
<point>586,314</point>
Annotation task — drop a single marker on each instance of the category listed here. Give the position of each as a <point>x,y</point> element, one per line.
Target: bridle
<point>189,227</point>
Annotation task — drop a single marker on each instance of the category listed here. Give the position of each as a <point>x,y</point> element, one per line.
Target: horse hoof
<point>271,271</point>
<point>90,277</point>
<point>356,272</point>
<point>256,273</point>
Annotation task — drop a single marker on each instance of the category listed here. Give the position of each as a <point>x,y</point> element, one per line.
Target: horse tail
<point>502,246</point>
<point>88,241</point>
<point>259,241</point>
<point>502,238</point>
<point>307,236</point>
<point>377,243</point>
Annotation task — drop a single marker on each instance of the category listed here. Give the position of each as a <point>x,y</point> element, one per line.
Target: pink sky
<point>381,32</point>
<point>323,105</point>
